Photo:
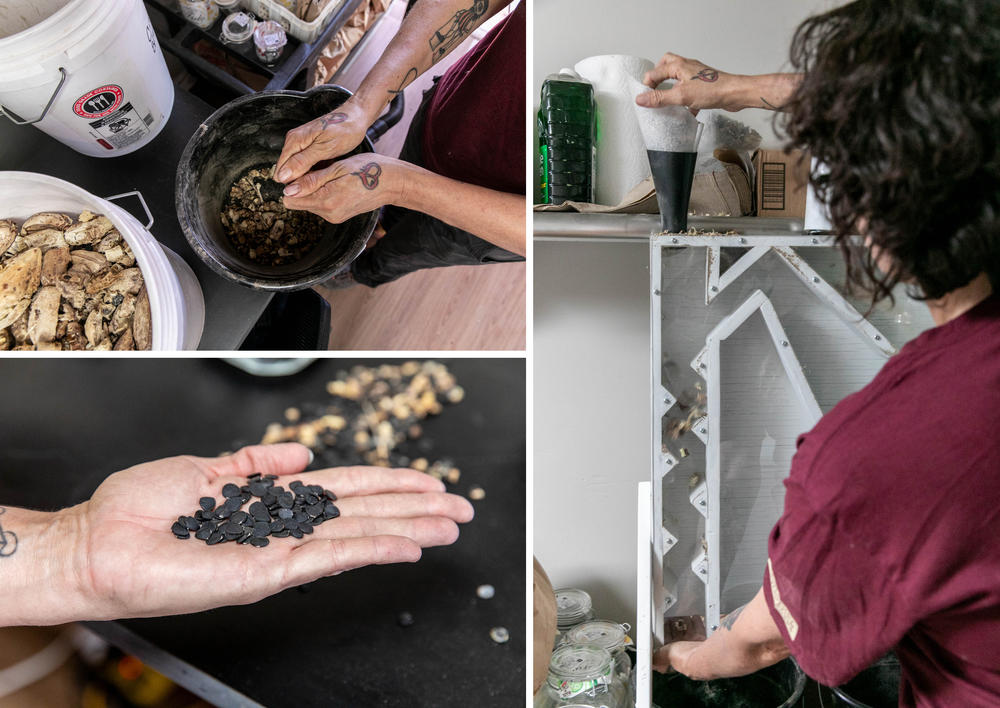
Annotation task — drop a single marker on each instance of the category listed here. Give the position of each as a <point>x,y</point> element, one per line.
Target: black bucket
<point>777,686</point>
<point>875,687</point>
<point>249,131</point>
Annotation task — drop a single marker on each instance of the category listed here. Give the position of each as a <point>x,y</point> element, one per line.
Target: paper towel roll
<point>621,152</point>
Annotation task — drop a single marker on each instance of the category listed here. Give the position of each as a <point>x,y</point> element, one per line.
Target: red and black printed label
<point>99,102</point>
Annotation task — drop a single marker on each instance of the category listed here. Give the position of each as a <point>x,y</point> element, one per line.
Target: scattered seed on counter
<point>500,635</point>
<point>477,493</point>
<point>276,512</point>
<point>485,592</point>
<point>404,619</point>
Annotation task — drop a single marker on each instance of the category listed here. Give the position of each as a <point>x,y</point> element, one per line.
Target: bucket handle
<point>18,121</point>
<point>137,195</point>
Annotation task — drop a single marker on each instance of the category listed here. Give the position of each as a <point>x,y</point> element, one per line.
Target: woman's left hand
<point>348,187</point>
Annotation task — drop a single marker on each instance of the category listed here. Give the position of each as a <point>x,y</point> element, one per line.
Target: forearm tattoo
<point>8,540</point>
<point>332,119</point>
<point>369,175</point>
<point>729,620</point>
<point>768,104</point>
<point>706,74</point>
<point>451,33</point>
<point>410,76</point>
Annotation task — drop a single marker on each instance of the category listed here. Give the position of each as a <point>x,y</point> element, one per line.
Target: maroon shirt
<point>474,123</point>
<point>890,536</point>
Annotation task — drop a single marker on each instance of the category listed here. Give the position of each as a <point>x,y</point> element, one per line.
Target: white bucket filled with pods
<point>90,73</point>
<point>176,303</point>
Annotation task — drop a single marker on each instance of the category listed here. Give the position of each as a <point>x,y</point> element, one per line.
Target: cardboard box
<point>781,181</point>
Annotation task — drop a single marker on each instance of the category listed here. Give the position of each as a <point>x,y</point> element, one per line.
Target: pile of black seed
<point>279,513</point>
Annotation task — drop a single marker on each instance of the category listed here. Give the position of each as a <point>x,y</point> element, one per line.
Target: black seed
<point>259,512</point>
<point>404,619</point>
<point>261,529</point>
<point>245,497</point>
<point>257,489</point>
<point>330,511</point>
<point>223,512</point>
<point>233,503</point>
<point>239,517</point>
<point>296,486</point>
<point>286,500</point>
<point>232,530</point>
<point>268,498</point>
<point>282,534</point>
<point>230,490</point>
<point>315,489</point>
<point>291,524</point>
<point>180,531</point>
<point>311,499</point>
<point>206,503</point>
<point>191,523</point>
<point>314,509</point>
<point>306,527</point>
<point>285,513</point>
<point>255,475</point>
<point>202,516</point>
<point>259,542</point>
<point>300,515</point>
<point>297,533</point>
<point>204,532</point>
<point>277,525</point>
<point>215,538</point>
<point>245,489</point>
<point>271,476</point>
<point>330,495</point>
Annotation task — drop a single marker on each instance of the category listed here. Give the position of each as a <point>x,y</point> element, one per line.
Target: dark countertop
<point>95,416</point>
<point>230,310</point>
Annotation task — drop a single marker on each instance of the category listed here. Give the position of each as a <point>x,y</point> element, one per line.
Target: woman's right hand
<point>325,138</point>
<point>697,86</point>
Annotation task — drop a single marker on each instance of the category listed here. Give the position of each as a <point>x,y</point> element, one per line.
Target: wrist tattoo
<point>410,76</point>
<point>729,620</point>
<point>451,33</point>
<point>706,74</point>
<point>768,104</point>
<point>332,119</point>
<point>8,540</point>
<point>369,175</point>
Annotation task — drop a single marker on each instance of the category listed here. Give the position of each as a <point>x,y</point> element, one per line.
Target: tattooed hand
<point>348,187</point>
<point>324,138</point>
<point>696,85</point>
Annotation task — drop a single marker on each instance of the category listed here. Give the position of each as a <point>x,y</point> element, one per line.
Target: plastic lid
<point>228,4</point>
<point>572,606</point>
<point>580,663</point>
<point>269,36</point>
<point>238,27</point>
<point>599,633</point>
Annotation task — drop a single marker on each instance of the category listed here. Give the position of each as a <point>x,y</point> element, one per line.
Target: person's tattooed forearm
<point>450,34</point>
<point>369,175</point>
<point>729,620</point>
<point>768,104</point>
<point>706,74</point>
<point>332,118</point>
<point>8,540</point>
<point>410,76</point>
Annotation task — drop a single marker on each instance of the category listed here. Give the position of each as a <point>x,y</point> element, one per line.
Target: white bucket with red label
<point>90,73</point>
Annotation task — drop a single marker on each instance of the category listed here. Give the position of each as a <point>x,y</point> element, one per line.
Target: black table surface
<point>230,310</point>
<point>335,641</point>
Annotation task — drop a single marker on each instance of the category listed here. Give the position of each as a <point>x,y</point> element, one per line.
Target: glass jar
<point>582,677</point>
<point>606,635</point>
<point>200,13</point>
<point>269,39</point>
<point>573,606</point>
<point>237,28</point>
<point>228,6</point>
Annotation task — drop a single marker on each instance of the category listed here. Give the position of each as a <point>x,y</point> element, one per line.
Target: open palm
<point>133,566</point>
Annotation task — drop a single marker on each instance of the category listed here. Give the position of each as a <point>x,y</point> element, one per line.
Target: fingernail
<point>312,456</point>
<point>284,174</point>
<point>292,189</point>
<point>642,99</point>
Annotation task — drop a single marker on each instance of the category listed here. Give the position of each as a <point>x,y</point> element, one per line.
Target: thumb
<point>657,98</point>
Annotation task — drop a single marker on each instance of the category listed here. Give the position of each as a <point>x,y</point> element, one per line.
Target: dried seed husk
<point>95,329</point>
<point>46,220</point>
<point>125,341</point>
<point>142,330</point>
<point>88,232</point>
<point>55,262</point>
<point>8,232</point>
<point>19,280</point>
<point>43,315</point>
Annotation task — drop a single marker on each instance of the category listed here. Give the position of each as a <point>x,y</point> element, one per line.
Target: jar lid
<point>580,669</point>
<point>572,606</point>
<point>599,633</point>
<point>269,36</point>
<point>228,4</point>
<point>238,27</point>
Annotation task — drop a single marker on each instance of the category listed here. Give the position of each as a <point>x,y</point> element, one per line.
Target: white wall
<point>731,35</point>
<point>591,338</point>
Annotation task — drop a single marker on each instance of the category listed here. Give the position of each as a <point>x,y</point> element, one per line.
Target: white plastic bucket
<point>116,94</point>
<point>176,304</point>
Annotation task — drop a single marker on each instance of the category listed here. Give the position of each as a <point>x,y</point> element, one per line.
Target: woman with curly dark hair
<point>889,538</point>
